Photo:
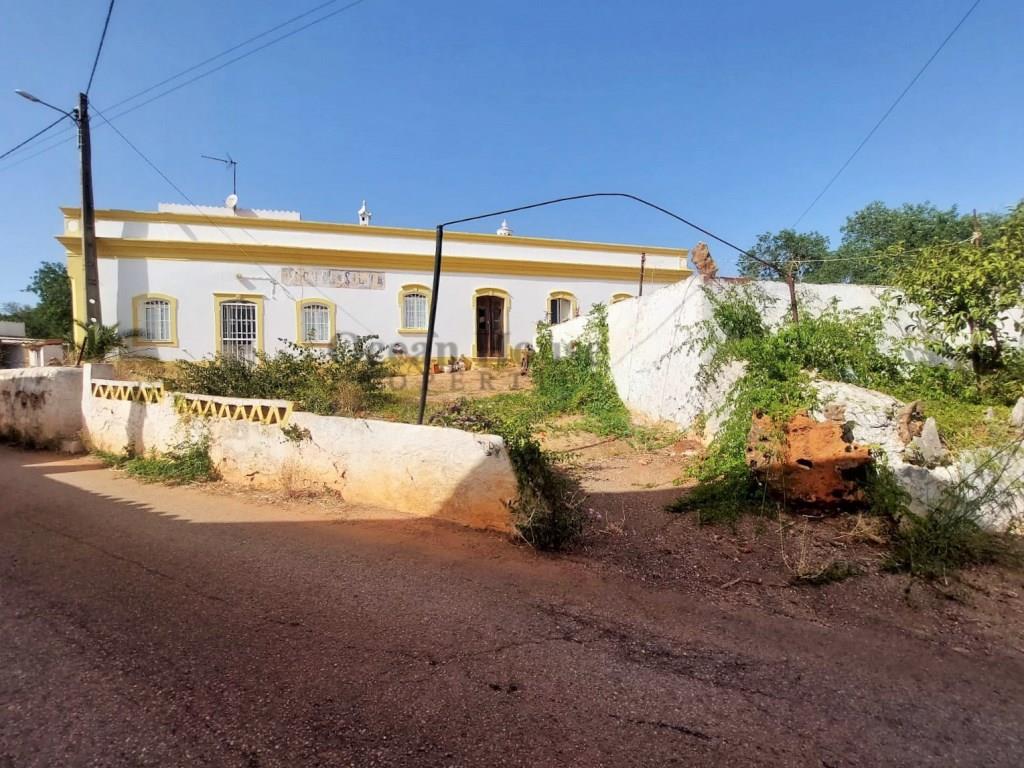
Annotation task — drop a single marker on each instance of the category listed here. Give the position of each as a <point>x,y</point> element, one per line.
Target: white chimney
<point>505,230</point>
<point>364,215</point>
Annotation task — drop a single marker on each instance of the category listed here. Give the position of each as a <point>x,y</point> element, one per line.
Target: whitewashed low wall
<point>40,406</point>
<point>418,470</point>
<point>651,343</point>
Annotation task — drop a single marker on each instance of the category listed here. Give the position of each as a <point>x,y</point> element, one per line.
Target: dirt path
<point>143,625</point>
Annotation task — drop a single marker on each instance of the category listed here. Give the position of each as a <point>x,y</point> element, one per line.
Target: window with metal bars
<point>414,310</point>
<point>316,323</point>
<point>238,329</point>
<point>156,320</point>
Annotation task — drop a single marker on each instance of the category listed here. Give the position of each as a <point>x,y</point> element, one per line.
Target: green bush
<point>581,381</point>
<point>345,379</point>
<point>548,513</point>
<point>837,345</point>
<point>187,462</point>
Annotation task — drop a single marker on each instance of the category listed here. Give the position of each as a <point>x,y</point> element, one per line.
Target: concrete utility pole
<point>80,116</point>
<point>93,312</point>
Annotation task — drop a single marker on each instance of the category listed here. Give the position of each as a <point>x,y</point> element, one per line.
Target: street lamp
<point>439,243</point>
<point>80,116</point>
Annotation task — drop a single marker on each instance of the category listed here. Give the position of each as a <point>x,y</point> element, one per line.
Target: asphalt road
<point>141,625</point>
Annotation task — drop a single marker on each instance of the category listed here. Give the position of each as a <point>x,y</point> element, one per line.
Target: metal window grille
<point>156,320</point>
<point>561,310</point>
<point>238,329</point>
<point>316,323</point>
<point>415,311</point>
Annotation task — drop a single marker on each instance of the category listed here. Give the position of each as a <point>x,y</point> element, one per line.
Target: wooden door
<point>490,326</point>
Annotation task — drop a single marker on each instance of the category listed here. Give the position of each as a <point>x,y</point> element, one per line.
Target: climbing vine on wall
<point>579,381</point>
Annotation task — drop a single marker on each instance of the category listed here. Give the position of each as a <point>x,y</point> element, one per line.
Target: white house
<point>195,281</point>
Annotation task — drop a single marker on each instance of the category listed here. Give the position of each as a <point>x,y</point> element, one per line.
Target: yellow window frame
<point>137,315</point>
<point>404,291</point>
<point>574,305</point>
<point>332,330</point>
<point>220,298</point>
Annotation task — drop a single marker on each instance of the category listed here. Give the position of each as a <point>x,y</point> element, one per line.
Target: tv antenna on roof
<point>233,164</point>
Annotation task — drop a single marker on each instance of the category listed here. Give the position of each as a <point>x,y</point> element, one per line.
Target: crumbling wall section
<point>39,407</point>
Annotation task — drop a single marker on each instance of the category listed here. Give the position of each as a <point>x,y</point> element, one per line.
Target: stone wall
<point>418,470</point>
<point>40,406</point>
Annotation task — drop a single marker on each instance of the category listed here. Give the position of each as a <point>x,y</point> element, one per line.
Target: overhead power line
<point>888,112</point>
<point>99,48</point>
<point>209,60</point>
<point>30,138</point>
<point>205,215</point>
<point>898,254</point>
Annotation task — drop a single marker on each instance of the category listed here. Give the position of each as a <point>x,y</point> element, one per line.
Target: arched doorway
<point>490,308</point>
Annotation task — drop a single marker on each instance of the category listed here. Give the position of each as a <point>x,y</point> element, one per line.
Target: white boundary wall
<point>39,406</point>
<point>650,343</point>
<point>420,471</point>
<point>417,470</point>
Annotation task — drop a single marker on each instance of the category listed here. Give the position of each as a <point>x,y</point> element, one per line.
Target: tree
<point>870,233</point>
<point>786,251</point>
<point>786,255</point>
<point>50,318</point>
<point>961,293</point>
<point>12,310</point>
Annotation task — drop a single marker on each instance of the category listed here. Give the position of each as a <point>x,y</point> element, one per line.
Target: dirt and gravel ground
<point>145,625</point>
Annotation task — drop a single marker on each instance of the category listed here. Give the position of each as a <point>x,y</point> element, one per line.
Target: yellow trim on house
<point>506,330</point>
<point>222,297</point>
<point>617,297</point>
<point>137,302</point>
<point>332,311</point>
<point>403,291</point>
<point>76,272</point>
<point>574,305</point>
<point>119,248</point>
<point>357,229</point>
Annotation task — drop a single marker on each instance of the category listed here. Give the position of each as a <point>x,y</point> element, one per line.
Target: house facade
<point>191,282</point>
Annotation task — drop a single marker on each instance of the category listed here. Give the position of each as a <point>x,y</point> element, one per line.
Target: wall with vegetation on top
<point>654,360</point>
<point>416,470</point>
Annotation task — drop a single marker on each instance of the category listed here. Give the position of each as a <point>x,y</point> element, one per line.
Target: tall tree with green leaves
<point>50,318</point>
<point>786,250</point>
<point>870,234</point>
<point>961,293</point>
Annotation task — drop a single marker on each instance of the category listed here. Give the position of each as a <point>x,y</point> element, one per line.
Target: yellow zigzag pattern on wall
<point>256,411</point>
<point>132,391</point>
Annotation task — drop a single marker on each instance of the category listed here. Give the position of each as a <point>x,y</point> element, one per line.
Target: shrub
<point>779,362</point>
<point>346,379</point>
<point>548,512</point>
<point>581,381</point>
<point>187,462</point>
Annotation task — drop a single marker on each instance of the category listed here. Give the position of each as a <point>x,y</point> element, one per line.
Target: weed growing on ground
<point>834,571</point>
<point>948,535</point>
<point>581,381</point>
<point>187,462</point>
<point>549,511</point>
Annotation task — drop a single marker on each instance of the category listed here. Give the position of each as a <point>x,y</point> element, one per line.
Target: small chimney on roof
<point>364,215</point>
<point>505,230</point>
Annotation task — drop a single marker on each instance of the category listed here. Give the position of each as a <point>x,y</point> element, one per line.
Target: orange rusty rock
<point>808,462</point>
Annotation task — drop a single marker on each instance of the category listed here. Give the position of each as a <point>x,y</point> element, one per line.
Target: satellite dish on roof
<point>232,201</point>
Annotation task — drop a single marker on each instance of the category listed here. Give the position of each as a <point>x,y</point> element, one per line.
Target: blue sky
<point>734,114</point>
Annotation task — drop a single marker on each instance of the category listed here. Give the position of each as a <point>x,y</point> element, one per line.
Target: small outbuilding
<point>19,351</point>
